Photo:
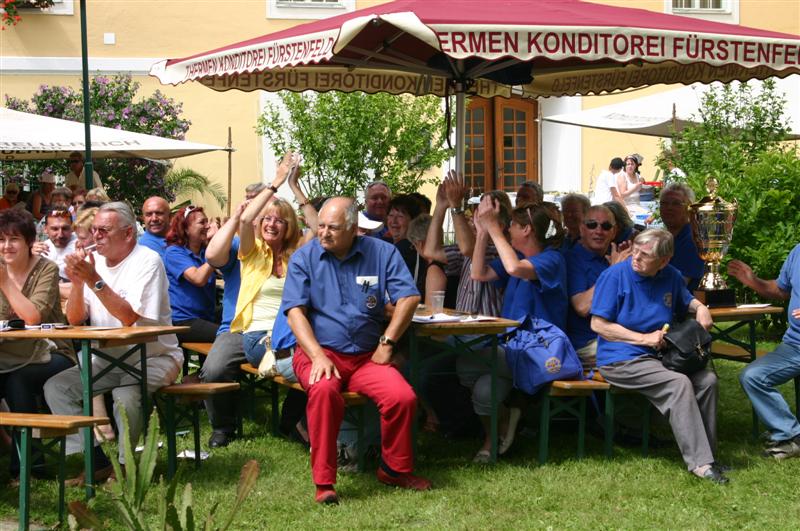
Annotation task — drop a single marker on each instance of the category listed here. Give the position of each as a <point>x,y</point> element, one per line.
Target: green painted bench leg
<point>172,451</point>
<point>196,428</point>
<point>24,477</point>
<point>609,427</point>
<point>274,393</point>
<point>581,426</point>
<point>544,428</point>
<point>62,476</point>
<point>646,428</point>
<point>362,450</point>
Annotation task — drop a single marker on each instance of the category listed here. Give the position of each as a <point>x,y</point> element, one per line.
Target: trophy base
<point>717,298</point>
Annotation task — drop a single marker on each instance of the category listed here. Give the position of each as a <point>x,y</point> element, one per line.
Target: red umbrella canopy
<point>543,47</point>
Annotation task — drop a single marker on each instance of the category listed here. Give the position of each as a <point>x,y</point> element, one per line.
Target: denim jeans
<point>759,381</point>
<point>254,350</point>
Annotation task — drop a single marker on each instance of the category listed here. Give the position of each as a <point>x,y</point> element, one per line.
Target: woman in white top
<point>629,182</point>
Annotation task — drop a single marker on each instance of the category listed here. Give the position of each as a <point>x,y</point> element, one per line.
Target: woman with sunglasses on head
<point>532,272</point>
<point>192,288</point>
<point>28,292</point>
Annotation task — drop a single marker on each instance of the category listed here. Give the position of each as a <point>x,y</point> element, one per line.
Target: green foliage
<point>343,137</point>
<point>112,104</point>
<point>186,182</point>
<point>130,491</point>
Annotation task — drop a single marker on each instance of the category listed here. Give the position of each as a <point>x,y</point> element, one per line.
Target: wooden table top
<point>742,314</point>
<point>497,325</point>
<point>106,336</point>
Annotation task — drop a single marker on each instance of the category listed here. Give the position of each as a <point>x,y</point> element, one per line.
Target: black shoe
<point>723,469</point>
<point>220,439</point>
<point>714,475</point>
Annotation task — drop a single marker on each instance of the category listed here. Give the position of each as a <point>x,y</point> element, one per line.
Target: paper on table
<point>477,318</point>
<point>752,305</point>
<point>438,318</point>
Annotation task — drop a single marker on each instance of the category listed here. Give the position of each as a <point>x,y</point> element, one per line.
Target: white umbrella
<point>25,136</point>
<point>653,115</point>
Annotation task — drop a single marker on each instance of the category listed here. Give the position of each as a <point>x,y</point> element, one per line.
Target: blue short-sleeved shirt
<point>232,275</point>
<point>583,269</point>
<point>641,304</point>
<point>156,243</point>
<point>789,281</point>
<point>545,297</point>
<point>686,259</point>
<point>345,298</point>
<point>187,300</point>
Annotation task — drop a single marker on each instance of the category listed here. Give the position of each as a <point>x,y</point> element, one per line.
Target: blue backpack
<point>538,353</point>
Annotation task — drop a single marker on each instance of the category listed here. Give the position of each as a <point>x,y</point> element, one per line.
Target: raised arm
<point>218,250</point>
<point>766,288</point>
<point>488,211</point>
<point>480,270</point>
<point>434,241</point>
<point>247,234</point>
<point>309,212</point>
<point>456,190</point>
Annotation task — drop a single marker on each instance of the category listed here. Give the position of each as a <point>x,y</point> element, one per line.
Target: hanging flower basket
<point>11,9</point>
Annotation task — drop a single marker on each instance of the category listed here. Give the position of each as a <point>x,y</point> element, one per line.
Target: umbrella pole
<point>461,121</point>
<point>230,169</point>
<point>88,166</point>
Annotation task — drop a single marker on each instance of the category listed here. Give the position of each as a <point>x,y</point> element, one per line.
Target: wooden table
<point>468,336</point>
<point>105,337</point>
<point>738,350</point>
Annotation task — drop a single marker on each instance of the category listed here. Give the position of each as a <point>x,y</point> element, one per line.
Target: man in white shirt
<point>75,179</point>
<point>60,240</point>
<point>606,188</point>
<point>121,284</point>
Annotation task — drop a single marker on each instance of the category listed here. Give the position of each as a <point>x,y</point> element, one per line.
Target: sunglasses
<point>592,224</point>
<point>189,209</point>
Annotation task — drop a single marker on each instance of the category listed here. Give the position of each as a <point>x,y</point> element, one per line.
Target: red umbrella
<point>530,47</point>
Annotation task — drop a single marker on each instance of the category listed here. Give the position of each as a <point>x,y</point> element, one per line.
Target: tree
<point>112,104</point>
<point>349,139</point>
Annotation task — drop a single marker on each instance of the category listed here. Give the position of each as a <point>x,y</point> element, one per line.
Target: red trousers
<point>383,384</point>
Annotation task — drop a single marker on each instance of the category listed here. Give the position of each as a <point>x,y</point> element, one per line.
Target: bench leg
<point>544,428</point>
<point>196,428</point>
<point>62,476</point>
<point>24,477</point>
<point>172,451</point>
<point>609,425</point>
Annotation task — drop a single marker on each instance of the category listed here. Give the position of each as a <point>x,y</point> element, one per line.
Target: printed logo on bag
<point>668,300</point>
<point>371,301</point>
<point>552,365</point>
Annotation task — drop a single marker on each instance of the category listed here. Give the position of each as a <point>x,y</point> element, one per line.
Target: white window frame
<point>305,10</point>
<point>728,13</point>
<point>60,7</point>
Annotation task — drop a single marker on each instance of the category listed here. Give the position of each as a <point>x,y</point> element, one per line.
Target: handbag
<point>688,347</point>
<point>537,353</point>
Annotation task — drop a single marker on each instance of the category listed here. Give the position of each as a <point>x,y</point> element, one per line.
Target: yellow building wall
<point>599,147</point>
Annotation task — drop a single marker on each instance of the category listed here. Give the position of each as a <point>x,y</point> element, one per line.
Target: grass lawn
<point>628,492</point>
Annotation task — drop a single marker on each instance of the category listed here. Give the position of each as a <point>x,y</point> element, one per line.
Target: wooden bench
<point>43,426</point>
<point>732,352</point>
<point>189,394</point>
<point>201,349</point>
<point>565,397</point>
<point>351,399</point>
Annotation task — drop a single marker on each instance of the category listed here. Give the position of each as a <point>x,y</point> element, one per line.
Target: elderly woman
<point>29,292</point>
<point>532,273</point>
<point>192,289</point>
<point>633,300</point>
<point>403,209</point>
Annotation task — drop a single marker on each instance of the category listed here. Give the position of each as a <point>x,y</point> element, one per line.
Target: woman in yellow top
<point>264,250</point>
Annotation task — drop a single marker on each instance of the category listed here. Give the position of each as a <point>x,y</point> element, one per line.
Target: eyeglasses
<point>101,231</point>
<point>60,213</point>
<point>592,224</point>
<point>273,219</point>
<point>15,192</point>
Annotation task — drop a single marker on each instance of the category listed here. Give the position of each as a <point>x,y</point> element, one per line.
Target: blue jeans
<point>254,350</point>
<point>759,381</point>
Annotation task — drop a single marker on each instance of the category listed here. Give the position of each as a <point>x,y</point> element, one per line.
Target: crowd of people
<point>324,299</point>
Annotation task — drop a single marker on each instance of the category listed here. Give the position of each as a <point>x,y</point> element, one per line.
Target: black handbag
<point>688,347</point>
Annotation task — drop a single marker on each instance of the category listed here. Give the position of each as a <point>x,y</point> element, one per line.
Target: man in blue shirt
<point>633,300</point>
<point>585,261</point>
<point>155,211</point>
<point>334,296</point>
<point>674,203</point>
<point>761,377</point>
<point>227,352</point>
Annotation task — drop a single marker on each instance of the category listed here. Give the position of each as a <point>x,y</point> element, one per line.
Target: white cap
<point>47,177</point>
<point>364,223</point>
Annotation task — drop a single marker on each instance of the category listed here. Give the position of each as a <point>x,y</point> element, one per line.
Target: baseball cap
<point>364,223</point>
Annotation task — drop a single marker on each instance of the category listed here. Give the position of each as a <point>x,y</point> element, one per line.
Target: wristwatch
<point>273,188</point>
<point>455,211</point>
<point>384,340</point>
<point>98,285</point>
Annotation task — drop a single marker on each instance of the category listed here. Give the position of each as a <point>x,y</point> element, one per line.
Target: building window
<point>714,10</point>
<point>713,5</point>
<point>308,9</point>
<point>59,7</point>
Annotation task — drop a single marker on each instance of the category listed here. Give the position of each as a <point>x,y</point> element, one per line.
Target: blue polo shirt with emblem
<point>187,300</point>
<point>345,298</point>
<point>639,303</point>
<point>789,281</point>
<point>232,275</point>
<point>545,297</point>
<point>156,243</point>
<point>686,259</point>
<point>583,269</point>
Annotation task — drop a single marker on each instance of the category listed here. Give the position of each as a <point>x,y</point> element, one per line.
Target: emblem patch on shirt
<point>552,365</point>
<point>668,300</point>
<point>371,301</point>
